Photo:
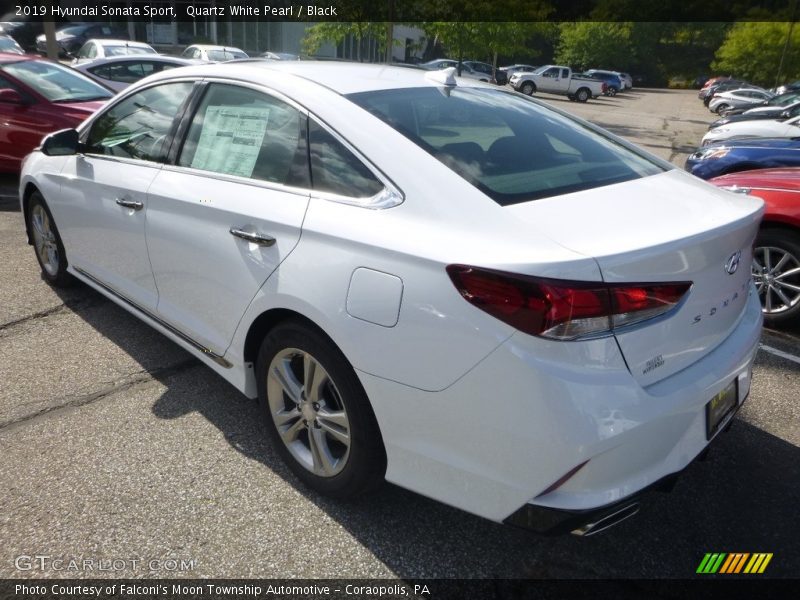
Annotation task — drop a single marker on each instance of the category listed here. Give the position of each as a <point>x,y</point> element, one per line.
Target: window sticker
<point>231,139</point>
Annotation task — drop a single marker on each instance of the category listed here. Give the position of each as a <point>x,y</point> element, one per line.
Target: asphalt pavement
<point>115,444</point>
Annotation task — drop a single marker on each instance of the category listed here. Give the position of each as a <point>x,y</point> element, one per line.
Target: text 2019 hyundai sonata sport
<point>421,278</point>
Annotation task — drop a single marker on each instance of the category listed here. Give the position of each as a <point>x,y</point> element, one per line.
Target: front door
<point>106,188</point>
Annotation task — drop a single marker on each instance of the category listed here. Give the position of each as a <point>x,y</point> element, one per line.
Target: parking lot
<point>116,444</point>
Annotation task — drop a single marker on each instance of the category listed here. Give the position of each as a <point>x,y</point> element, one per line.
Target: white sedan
<point>755,128</point>
<point>207,53</point>
<point>94,49</point>
<point>738,99</point>
<point>431,281</point>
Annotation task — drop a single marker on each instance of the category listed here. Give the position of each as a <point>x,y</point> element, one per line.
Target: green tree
<point>752,50</point>
<point>335,33</point>
<point>600,44</point>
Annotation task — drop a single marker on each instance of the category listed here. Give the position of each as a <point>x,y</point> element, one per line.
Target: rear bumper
<point>497,439</point>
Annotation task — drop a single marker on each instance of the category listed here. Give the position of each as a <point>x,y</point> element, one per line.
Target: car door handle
<point>134,204</point>
<point>252,236</point>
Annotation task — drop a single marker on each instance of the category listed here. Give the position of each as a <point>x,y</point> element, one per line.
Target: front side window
<point>139,126</point>
<point>239,131</point>
<point>509,147</point>
<point>128,72</point>
<point>55,82</point>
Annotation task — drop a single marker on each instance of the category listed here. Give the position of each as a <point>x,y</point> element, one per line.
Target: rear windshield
<point>56,82</point>
<point>127,50</point>
<point>223,55</point>
<point>508,146</point>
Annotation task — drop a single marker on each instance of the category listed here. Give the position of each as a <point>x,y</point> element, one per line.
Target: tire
<point>722,108</point>
<point>527,88</point>
<point>47,243</point>
<point>328,437</point>
<point>612,91</point>
<point>776,253</point>
<point>583,94</point>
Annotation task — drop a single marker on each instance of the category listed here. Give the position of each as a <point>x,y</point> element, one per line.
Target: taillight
<point>560,309</point>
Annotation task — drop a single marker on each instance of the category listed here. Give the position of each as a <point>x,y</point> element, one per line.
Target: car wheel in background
<point>527,88</point>
<point>317,414</point>
<point>47,243</point>
<point>582,95</point>
<point>722,108</point>
<point>776,271</point>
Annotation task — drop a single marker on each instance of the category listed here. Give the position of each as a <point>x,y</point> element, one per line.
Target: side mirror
<point>11,96</point>
<point>61,143</point>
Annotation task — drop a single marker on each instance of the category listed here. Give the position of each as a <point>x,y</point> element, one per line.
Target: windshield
<point>73,30</point>
<point>56,83</point>
<point>784,99</point>
<point>509,147</point>
<point>9,45</point>
<point>225,54</point>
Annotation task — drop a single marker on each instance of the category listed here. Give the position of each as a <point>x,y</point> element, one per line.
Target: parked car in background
<point>778,113</point>
<point>279,55</point>
<point>788,87</point>
<point>534,358</point>
<point>118,72</point>
<point>70,38</point>
<point>726,86</point>
<point>774,103</point>
<point>25,28</point>
<point>37,97</point>
<point>732,156</point>
<point>208,53</point>
<point>470,69</point>
<point>721,102</point>
<point>517,68</point>
<point>9,45</point>
<point>497,76</point>
<point>776,257</point>
<point>556,79</point>
<point>612,79</point>
<point>94,49</point>
<point>757,128</point>
<point>709,83</point>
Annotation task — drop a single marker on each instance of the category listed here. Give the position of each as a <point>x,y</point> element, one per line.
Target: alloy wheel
<point>44,240</point>
<point>307,410</point>
<point>776,272</point>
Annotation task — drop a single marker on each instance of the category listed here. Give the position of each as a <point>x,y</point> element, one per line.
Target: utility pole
<point>786,45</point>
<point>50,38</point>
<point>390,33</point>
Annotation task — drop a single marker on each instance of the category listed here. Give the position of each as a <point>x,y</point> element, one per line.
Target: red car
<point>37,97</point>
<point>776,261</point>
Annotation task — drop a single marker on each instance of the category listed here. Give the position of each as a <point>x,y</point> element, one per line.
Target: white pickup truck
<point>555,79</point>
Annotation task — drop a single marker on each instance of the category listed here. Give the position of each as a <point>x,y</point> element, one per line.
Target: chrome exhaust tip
<point>607,521</point>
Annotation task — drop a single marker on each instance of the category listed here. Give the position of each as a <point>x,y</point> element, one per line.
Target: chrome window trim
<point>277,187</point>
<point>389,197</point>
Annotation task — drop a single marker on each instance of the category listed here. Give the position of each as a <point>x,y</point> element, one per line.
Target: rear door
<point>224,216</point>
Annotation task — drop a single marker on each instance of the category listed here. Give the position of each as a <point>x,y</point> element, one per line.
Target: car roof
<point>111,42</point>
<point>111,60</point>
<point>340,77</point>
<point>9,57</point>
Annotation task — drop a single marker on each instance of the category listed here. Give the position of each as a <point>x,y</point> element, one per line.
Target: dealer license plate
<point>720,408</point>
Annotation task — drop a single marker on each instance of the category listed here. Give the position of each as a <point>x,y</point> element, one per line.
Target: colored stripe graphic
<point>734,562</point>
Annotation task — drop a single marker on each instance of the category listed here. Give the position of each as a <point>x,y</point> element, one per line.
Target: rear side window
<point>334,169</point>
<point>139,126</point>
<point>239,131</point>
<point>508,146</point>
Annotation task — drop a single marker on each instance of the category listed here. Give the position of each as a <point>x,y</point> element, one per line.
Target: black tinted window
<point>238,131</point>
<point>335,169</point>
<point>139,126</point>
<point>508,146</point>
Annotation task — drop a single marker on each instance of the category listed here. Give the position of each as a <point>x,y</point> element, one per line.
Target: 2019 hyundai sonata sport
<point>421,278</point>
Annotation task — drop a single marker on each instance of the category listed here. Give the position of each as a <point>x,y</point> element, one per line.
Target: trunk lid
<point>669,227</point>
